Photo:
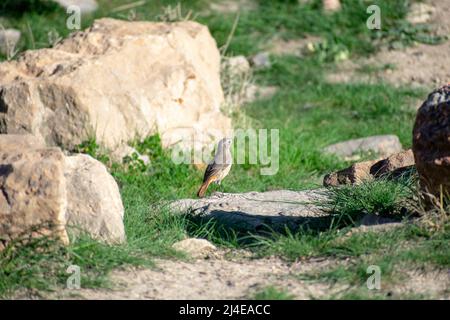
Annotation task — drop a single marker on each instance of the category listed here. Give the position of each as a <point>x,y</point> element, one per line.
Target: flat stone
<point>259,211</point>
<point>382,145</point>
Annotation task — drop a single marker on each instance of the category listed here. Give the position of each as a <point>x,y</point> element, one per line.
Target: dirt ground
<point>221,276</point>
<point>420,65</point>
<point>211,278</point>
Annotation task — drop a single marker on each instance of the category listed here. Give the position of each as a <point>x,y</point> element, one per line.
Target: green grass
<point>42,263</point>
<point>339,112</point>
<point>383,197</point>
<point>404,249</point>
<point>272,293</point>
<point>345,30</point>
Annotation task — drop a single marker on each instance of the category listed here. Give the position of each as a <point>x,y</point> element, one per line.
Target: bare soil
<point>235,275</point>
<point>420,65</point>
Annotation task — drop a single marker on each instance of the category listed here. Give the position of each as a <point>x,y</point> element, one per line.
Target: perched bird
<point>218,168</point>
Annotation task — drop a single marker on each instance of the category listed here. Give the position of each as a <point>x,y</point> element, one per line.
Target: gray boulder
<point>44,193</point>
<point>259,211</point>
<point>382,145</point>
<point>94,204</point>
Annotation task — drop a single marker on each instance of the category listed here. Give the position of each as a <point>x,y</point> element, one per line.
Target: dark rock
<point>431,142</point>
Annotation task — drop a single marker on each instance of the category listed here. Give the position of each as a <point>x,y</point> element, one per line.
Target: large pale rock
<point>94,204</point>
<point>383,145</point>
<point>118,81</point>
<point>259,211</point>
<point>32,194</point>
<point>431,142</point>
<point>10,143</point>
<point>42,192</point>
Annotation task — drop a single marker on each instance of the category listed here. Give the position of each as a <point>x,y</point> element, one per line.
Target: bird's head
<point>225,143</point>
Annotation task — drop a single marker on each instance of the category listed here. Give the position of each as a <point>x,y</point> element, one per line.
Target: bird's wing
<point>213,169</point>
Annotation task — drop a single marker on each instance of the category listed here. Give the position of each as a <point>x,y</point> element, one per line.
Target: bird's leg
<point>218,182</point>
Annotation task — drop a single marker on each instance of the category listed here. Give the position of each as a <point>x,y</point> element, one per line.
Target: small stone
<point>254,92</point>
<point>237,65</point>
<point>233,6</point>
<point>420,13</point>
<point>383,145</point>
<point>331,5</point>
<point>393,164</point>
<point>355,174</point>
<point>296,47</point>
<point>196,248</point>
<point>261,60</point>
<point>145,159</point>
<point>8,40</point>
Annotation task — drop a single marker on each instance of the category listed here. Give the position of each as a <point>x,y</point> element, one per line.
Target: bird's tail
<point>202,191</point>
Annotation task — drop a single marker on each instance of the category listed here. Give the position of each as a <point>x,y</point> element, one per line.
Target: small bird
<point>218,168</point>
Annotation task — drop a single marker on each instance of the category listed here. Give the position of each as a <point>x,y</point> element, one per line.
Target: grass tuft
<point>272,293</point>
<point>382,197</point>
